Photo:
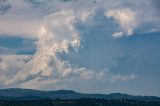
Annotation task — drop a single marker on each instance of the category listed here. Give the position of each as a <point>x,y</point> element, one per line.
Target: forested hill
<point>78,102</point>
<point>30,94</point>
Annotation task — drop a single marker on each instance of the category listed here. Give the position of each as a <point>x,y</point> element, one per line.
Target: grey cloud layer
<point>4,6</point>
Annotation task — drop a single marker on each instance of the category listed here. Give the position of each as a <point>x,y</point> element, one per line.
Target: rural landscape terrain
<point>29,97</point>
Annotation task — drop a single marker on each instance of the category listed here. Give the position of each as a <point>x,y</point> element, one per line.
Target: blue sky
<point>93,46</point>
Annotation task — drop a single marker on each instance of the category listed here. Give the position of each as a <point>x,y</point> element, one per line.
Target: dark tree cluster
<point>78,102</point>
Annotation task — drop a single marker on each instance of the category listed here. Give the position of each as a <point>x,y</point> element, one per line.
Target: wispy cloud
<point>117,78</point>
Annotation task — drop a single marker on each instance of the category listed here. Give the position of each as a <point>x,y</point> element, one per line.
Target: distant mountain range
<point>30,94</point>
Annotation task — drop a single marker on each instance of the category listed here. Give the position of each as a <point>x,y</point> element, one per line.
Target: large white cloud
<point>57,38</point>
<point>71,43</point>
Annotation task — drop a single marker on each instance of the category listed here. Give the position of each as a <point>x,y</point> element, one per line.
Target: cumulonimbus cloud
<point>62,38</point>
<point>58,37</point>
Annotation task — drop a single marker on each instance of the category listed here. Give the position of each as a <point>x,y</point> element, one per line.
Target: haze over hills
<point>31,94</point>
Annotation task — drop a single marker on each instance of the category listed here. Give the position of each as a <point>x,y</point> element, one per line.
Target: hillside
<point>30,94</point>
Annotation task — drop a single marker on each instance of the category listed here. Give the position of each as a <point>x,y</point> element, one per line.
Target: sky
<point>90,46</point>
